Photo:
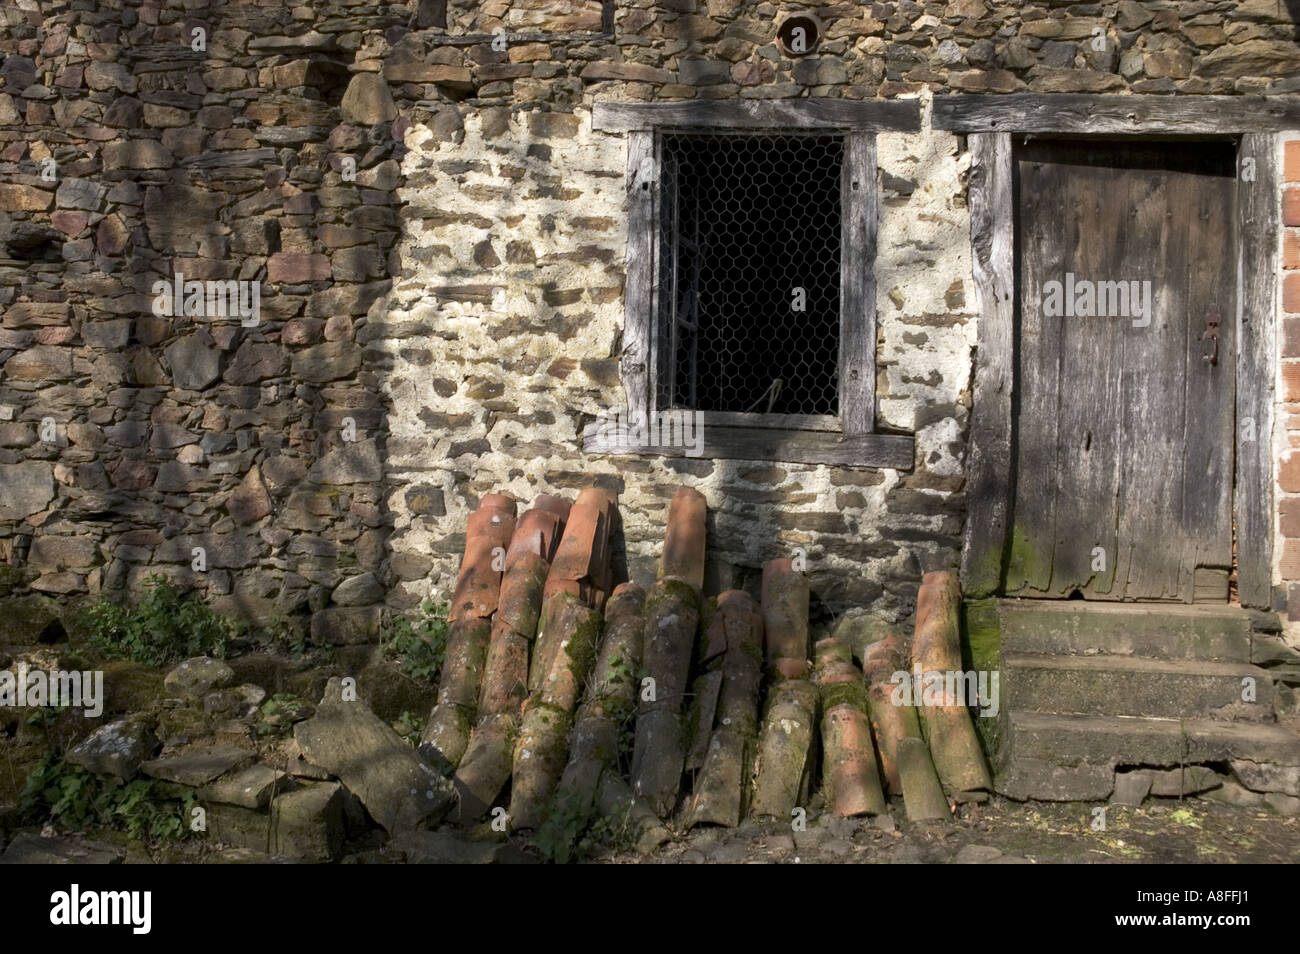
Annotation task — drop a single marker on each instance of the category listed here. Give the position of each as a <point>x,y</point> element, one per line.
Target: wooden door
<point>1122,436</point>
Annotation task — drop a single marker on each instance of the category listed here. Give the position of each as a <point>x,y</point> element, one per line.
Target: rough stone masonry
<point>382,169</point>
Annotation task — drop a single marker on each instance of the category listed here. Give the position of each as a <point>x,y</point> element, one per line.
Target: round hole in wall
<point>798,34</point>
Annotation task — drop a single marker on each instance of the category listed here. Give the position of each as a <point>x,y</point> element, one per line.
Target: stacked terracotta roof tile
<point>548,664</point>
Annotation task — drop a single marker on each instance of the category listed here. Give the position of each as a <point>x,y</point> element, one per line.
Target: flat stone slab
<point>115,749</point>
<point>196,677</point>
<point>1131,788</point>
<point>198,766</point>
<point>249,787</point>
<point>29,849</point>
<point>1134,686</point>
<point>398,788</point>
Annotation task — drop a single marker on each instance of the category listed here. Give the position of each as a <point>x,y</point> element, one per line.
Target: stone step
<point>1074,757</point>
<point>1161,631</point>
<point>1135,686</point>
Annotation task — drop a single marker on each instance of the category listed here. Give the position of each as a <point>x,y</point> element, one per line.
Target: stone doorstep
<point>1073,758</point>
<point>1210,633</point>
<point>1133,686</point>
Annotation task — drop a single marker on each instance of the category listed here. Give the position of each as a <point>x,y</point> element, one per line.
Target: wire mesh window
<point>749,284</point>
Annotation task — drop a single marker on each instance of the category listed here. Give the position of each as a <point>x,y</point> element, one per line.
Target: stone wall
<point>381,178</point>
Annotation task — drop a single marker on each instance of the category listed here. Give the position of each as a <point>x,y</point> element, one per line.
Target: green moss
<point>581,649</point>
<point>838,694</point>
<point>132,686</point>
<point>674,590</point>
<point>981,634</point>
<point>11,577</point>
<point>1025,566</point>
<point>982,652</point>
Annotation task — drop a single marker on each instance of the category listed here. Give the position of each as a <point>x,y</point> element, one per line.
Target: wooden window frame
<point>848,439</point>
<point>990,122</point>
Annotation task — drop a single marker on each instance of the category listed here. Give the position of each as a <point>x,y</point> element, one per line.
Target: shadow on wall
<point>236,435</point>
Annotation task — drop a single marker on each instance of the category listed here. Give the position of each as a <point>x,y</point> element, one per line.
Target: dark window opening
<point>749,284</point>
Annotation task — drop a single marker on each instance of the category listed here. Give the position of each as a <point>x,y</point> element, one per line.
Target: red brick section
<point>1291,293</point>
<point>1291,205</point>
<point>1291,161</point>
<point>1288,474</point>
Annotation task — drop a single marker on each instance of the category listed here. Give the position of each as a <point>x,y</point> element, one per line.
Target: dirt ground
<point>1003,832</point>
<point>1194,831</point>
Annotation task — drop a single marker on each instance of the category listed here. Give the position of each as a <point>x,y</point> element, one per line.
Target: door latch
<point>1211,338</point>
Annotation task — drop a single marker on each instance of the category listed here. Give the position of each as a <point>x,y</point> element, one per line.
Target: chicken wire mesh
<point>749,289</point>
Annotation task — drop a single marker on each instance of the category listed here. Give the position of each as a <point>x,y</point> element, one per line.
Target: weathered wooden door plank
<point>992,257</point>
<point>1041,254</point>
<point>1087,479</point>
<point>1210,396</point>
<point>1152,481</point>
